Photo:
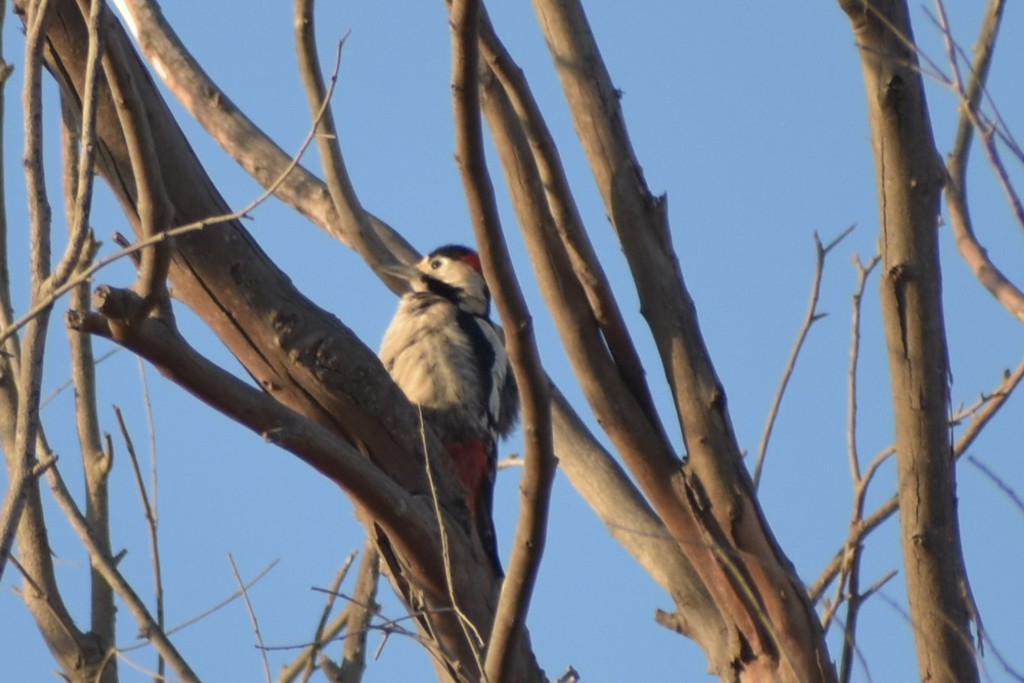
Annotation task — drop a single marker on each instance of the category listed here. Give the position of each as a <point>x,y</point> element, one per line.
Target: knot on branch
<point>122,309</point>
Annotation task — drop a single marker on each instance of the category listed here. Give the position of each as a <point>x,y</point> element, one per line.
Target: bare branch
<point>812,316</point>
<point>565,219</point>
<point>980,419</point>
<point>149,512</point>
<point>110,573</point>
<point>849,580</point>
<point>912,315</point>
<point>174,358</point>
<point>252,618</point>
<point>975,255</point>
<point>263,159</point>
<point>305,663</point>
<point>353,219</point>
<point>96,462</point>
<point>21,451</point>
<point>361,610</point>
<point>708,503</point>
<point>535,488</point>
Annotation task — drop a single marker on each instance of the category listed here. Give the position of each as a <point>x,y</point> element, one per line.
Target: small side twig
<point>812,316</point>
<point>252,618</point>
<point>971,119</point>
<point>152,524</point>
<point>996,400</point>
<point>305,662</point>
<point>999,482</point>
<point>473,637</point>
<point>108,569</point>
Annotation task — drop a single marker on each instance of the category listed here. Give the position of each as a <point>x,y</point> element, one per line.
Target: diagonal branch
<point>157,342</point>
<point>972,251</point>
<point>566,221</point>
<point>254,151</point>
<point>107,568</point>
<point>353,220</point>
<point>812,316</point>
<point>708,502</point>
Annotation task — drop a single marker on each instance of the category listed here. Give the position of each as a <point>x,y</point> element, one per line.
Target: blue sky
<point>751,117</point>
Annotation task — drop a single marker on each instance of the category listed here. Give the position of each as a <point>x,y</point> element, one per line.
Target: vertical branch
<point>21,457</point>
<point>152,204</point>
<point>538,476</point>
<point>909,178</point>
<point>566,221</point>
<point>851,569</point>
<point>96,462</point>
<point>361,611</point>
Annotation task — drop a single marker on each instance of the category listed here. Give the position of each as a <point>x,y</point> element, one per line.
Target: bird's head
<point>454,272</point>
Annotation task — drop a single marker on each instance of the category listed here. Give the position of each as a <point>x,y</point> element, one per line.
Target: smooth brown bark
<point>910,176</point>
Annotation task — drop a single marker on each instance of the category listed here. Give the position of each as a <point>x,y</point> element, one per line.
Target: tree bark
<point>910,175</point>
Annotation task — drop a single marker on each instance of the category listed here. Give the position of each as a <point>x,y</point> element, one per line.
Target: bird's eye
<point>435,264</point>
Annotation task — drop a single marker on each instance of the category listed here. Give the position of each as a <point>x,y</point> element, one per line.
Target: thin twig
<point>252,618</point>
<point>305,663</point>
<point>86,275</point>
<point>152,524</point>
<point>473,637</point>
<point>999,482</point>
<point>205,613</point>
<point>995,401</point>
<point>70,382</point>
<point>352,218</point>
<point>849,580</point>
<point>107,568</point>
<point>971,119</point>
<point>812,316</point>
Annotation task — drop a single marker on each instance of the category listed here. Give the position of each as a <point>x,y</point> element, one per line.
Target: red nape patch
<point>473,259</point>
<point>472,467</point>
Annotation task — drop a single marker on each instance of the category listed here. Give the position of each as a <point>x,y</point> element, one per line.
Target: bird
<point>446,354</point>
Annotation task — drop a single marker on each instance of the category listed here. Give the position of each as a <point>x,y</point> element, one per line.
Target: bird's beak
<point>402,274</point>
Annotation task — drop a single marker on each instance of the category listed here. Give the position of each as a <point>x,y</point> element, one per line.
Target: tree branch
<point>973,253</point>
<point>106,567</point>
<point>812,316</point>
<point>539,473</point>
<point>352,218</point>
<point>237,134</point>
<point>707,503</point>
<point>915,337</point>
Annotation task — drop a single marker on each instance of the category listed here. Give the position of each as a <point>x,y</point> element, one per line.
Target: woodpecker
<point>444,352</point>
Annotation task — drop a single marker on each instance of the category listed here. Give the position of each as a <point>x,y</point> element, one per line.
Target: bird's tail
<point>475,464</point>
